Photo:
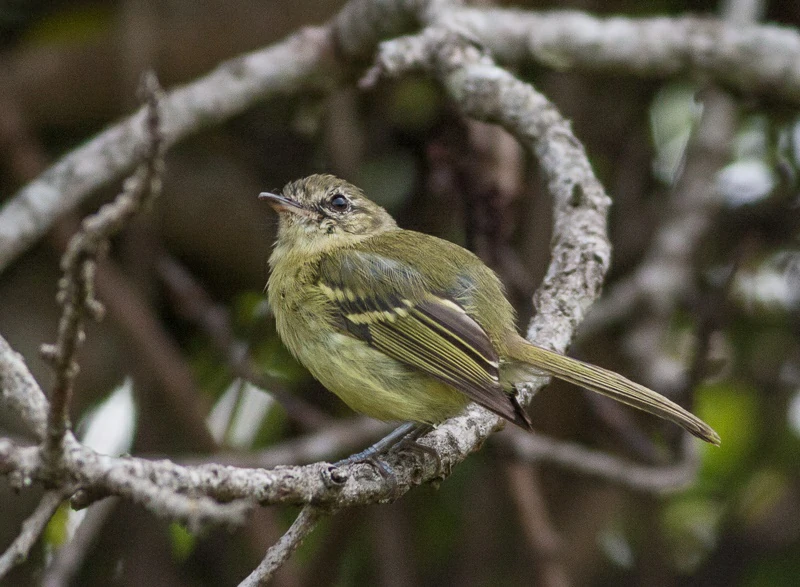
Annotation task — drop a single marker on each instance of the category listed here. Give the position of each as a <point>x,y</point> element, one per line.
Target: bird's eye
<point>339,203</point>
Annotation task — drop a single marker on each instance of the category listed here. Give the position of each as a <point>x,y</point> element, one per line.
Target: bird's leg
<point>368,455</point>
<point>403,437</point>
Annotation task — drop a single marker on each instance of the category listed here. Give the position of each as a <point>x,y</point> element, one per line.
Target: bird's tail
<point>612,385</point>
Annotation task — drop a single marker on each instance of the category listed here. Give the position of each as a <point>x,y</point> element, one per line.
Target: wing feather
<point>385,304</point>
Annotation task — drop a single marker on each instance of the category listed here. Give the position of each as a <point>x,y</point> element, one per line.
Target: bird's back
<point>450,271</point>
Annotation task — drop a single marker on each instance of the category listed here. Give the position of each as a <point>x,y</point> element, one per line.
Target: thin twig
<point>76,288</point>
<point>69,558</point>
<point>543,540</point>
<point>32,529</point>
<point>22,393</point>
<point>305,522</point>
<point>124,303</point>
<point>579,459</point>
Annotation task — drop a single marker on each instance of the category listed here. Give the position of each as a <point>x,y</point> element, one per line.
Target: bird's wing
<point>385,304</point>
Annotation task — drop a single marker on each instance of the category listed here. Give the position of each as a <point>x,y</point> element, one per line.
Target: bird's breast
<point>301,310</point>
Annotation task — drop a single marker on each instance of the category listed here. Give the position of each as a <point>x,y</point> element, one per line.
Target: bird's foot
<point>409,443</point>
<point>402,438</point>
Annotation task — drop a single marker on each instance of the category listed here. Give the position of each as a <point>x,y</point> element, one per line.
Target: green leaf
<point>183,541</point>
<point>733,410</point>
<point>55,533</point>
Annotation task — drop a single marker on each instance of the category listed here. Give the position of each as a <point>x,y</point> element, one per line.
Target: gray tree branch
<point>573,457</point>
<point>280,552</point>
<point>312,59</point>
<point>748,58</point>
<point>76,288</point>
<point>759,59</point>
<point>665,276</point>
<point>20,393</point>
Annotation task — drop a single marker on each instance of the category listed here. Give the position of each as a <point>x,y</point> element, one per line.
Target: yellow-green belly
<point>369,381</point>
<point>376,385</point>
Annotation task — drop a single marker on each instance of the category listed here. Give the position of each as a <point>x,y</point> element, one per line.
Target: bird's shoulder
<point>406,260</point>
<point>406,265</point>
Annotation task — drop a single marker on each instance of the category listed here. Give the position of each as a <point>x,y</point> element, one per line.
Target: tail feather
<point>614,386</point>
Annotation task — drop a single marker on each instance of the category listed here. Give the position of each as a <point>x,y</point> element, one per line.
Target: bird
<point>404,326</point>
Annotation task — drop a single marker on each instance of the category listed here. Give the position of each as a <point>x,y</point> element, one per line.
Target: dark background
<point>68,69</point>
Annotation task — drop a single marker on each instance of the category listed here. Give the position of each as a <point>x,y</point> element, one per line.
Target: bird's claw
<point>402,439</point>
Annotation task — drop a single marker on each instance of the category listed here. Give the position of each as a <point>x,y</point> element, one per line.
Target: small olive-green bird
<point>406,326</point>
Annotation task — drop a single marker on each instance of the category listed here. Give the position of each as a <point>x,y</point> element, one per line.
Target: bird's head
<point>321,212</point>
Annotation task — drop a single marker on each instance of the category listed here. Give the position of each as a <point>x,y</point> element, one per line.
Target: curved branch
<point>311,59</point>
<point>758,59</point>
<point>300,63</point>
<point>580,258</point>
<point>581,251</point>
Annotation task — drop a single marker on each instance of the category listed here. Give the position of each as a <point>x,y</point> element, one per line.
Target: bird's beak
<point>280,203</point>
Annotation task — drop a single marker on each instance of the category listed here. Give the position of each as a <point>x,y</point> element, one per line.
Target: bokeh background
<point>154,382</point>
